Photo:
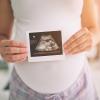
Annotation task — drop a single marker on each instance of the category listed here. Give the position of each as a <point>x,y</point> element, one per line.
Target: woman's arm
<point>6,18</point>
<point>11,51</point>
<point>89,19</point>
<point>88,36</point>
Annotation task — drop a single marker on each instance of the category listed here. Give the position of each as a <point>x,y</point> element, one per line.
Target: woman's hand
<point>13,51</point>
<point>79,42</point>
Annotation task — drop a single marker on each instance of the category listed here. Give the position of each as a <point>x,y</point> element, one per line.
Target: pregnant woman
<point>68,79</point>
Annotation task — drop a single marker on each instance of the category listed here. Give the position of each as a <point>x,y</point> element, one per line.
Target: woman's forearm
<point>89,19</point>
<point>6,19</point>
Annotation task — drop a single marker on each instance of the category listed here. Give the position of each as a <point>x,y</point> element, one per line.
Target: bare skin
<point>15,51</point>
<point>85,38</point>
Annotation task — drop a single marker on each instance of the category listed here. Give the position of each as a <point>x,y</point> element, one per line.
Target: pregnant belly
<point>53,76</point>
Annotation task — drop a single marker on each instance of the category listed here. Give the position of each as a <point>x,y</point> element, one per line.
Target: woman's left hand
<point>79,42</point>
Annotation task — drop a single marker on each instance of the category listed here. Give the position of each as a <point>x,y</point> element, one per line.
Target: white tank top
<point>49,15</point>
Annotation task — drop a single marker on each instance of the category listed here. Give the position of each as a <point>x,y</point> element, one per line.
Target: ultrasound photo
<point>45,44</point>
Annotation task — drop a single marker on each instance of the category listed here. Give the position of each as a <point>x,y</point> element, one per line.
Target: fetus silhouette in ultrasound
<point>47,43</point>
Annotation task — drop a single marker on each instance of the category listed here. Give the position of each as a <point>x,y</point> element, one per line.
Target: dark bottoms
<point>81,89</point>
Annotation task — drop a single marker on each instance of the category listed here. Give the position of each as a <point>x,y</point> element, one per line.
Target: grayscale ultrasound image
<point>45,43</point>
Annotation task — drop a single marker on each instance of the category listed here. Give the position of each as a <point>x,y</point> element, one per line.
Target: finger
<point>13,50</point>
<point>79,42</point>
<point>21,60</point>
<point>11,43</point>
<point>80,48</point>
<point>82,38</point>
<point>14,58</point>
<point>79,34</point>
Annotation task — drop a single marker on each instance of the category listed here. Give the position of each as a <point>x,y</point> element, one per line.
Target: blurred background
<point>93,56</point>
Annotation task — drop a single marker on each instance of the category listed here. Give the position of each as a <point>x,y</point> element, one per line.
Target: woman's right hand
<point>13,51</point>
